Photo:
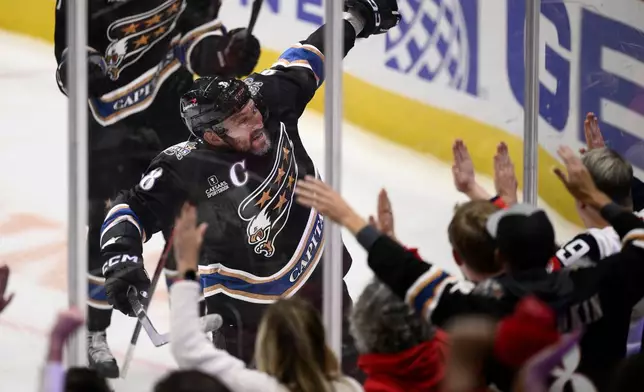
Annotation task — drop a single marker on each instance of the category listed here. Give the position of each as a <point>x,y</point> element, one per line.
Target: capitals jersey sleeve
<point>202,37</point>
<point>149,207</point>
<point>296,75</point>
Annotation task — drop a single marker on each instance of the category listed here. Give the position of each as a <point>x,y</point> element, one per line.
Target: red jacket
<point>420,368</point>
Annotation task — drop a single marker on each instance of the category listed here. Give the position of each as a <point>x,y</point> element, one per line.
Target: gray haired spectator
<point>400,351</point>
<point>612,174</point>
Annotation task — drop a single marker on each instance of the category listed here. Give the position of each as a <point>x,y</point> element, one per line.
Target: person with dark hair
<point>189,381</point>
<point>598,298</point>
<point>399,350</point>
<point>80,379</point>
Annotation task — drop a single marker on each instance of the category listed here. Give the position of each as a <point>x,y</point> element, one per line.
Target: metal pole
<point>334,53</point>
<point>531,101</point>
<point>77,208</point>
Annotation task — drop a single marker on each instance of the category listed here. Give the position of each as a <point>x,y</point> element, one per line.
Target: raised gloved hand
<point>378,15</point>
<point>120,272</point>
<point>241,53</point>
<point>97,80</point>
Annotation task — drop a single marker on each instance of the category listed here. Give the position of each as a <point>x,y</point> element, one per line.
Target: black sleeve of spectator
<point>621,219</point>
<point>397,267</point>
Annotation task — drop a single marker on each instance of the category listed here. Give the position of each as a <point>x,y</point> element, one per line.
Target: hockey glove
<point>97,80</point>
<point>121,272</point>
<point>241,53</point>
<point>378,15</point>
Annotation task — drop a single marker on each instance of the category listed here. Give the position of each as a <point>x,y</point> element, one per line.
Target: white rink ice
<point>33,214</point>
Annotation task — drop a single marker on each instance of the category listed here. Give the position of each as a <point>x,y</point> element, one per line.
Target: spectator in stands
<point>189,381</point>
<point>472,246</point>
<point>399,350</point>
<point>291,352</point>
<point>54,378</point>
<point>84,379</point>
<point>4,282</point>
<point>599,298</point>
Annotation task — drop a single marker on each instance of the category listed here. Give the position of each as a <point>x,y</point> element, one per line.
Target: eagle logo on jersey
<point>268,207</point>
<point>131,37</point>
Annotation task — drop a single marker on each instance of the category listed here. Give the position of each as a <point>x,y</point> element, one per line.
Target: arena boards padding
<point>454,69</point>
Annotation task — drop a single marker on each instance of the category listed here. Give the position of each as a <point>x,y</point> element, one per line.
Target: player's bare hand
<point>4,282</point>
<point>578,180</point>
<point>385,218</point>
<point>314,193</point>
<point>188,237</point>
<point>463,173</point>
<point>67,323</point>
<point>593,134</point>
<point>505,179</point>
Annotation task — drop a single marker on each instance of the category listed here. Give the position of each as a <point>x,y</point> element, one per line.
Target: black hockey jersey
<point>260,245</point>
<point>143,44</point>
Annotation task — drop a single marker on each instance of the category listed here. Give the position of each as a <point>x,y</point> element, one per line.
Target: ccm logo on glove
<point>119,259</point>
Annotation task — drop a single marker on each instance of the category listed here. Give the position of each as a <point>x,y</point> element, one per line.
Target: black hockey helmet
<point>211,100</point>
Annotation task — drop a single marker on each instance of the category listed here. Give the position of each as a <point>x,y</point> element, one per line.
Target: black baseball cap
<point>524,236</point>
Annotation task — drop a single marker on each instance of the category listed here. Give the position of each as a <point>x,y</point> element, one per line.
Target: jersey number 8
<point>148,181</point>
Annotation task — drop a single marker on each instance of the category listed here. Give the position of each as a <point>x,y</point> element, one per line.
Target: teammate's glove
<point>379,15</point>
<point>241,53</point>
<point>97,80</point>
<point>121,272</point>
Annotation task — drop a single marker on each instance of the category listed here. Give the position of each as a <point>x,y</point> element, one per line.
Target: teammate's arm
<point>97,81</point>
<point>207,48</point>
<point>300,69</point>
<point>136,215</point>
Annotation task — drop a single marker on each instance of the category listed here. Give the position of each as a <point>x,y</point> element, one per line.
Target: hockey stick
<point>209,323</point>
<point>137,329</point>
<point>157,339</point>
<point>254,13</point>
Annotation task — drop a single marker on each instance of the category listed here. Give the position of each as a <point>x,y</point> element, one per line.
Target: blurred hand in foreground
<point>188,237</point>
<point>67,322</point>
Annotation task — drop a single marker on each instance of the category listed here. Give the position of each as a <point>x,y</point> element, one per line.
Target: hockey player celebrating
<point>141,58</point>
<point>241,174</point>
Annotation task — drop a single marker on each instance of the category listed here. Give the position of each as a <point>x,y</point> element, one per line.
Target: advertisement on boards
<point>467,57</point>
